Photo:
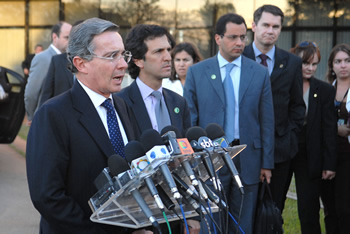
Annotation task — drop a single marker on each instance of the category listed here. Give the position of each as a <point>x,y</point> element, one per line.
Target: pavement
<point>17,213</point>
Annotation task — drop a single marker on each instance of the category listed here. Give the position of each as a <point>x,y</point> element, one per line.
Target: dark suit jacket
<point>205,95</point>
<point>58,79</point>
<point>288,103</point>
<point>321,129</point>
<point>67,148</point>
<point>177,107</point>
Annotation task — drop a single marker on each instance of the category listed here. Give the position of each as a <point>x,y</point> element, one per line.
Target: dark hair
<point>276,11</point>
<point>331,76</point>
<point>308,49</point>
<point>56,29</point>
<point>135,43</point>
<point>81,37</point>
<point>220,28</point>
<point>190,49</point>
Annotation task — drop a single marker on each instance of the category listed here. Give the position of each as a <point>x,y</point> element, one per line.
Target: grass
<point>23,132</point>
<point>291,219</point>
<point>290,213</point>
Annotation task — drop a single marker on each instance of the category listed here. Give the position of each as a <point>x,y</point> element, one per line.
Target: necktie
<point>229,123</point>
<point>113,128</point>
<point>263,59</point>
<point>161,110</point>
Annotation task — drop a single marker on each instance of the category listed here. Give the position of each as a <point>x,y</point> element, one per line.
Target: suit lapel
<point>120,106</point>
<point>280,64</point>
<point>139,108</point>
<point>90,119</point>
<point>212,73</point>
<point>313,102</point>
<point>247,73</point>
<point>173,109</point>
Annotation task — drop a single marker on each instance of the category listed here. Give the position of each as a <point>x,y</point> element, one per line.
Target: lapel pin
<point>213,77</point>
<point>176,110</point>
<point>281,65</point>
<point>315,95</point>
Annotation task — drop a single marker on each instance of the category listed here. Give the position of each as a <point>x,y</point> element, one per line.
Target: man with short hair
<point>73,134</point>
<point>287,91</point>
<point>28,60</point>
<point>234,92</point>
<point>150,46</point>
<point>40,65</point>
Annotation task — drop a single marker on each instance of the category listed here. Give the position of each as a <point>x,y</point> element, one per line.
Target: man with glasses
<point>233,91</point>
<point>73,134</point>
<point>287,90</point>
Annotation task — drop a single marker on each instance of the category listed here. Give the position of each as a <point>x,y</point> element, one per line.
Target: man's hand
<point>193,226</point>
<point>265,173</point>
<point>328,175</point>
<point>25,71</point>
<point>343,130</point>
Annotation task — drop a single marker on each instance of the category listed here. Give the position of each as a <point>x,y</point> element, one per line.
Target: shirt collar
<point>145,90</point>
<point>96,98</point>
<point>270,53</point>
<point>55,49</point>
<point>222,61</point>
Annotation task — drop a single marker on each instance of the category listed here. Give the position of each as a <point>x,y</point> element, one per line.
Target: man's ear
<point>139,62</point>
<point>253,27</point>
<point>80,64</point>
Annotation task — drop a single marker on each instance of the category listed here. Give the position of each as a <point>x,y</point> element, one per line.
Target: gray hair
<point>81,36</point>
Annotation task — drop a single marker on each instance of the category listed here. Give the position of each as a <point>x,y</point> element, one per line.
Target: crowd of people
<point>291,122</point>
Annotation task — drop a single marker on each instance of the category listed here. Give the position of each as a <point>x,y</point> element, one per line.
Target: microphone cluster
<point>173,169</point>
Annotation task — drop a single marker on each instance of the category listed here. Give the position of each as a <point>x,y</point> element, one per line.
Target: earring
<point>333,73</point>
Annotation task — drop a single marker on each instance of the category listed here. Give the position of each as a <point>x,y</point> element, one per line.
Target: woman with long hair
<point>338,75</point>
<point>183,56</point>
<point>316,157</point>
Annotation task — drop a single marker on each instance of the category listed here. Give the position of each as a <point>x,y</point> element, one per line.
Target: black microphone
<point>155,149</point>
<point>197,133</point>
<point>216,132</point>
<point>185,187</point>
<point>117,165</point>
<point>169,136</point>
<point>212,196</point>
<point>168,203</point>
<point>135,150</point>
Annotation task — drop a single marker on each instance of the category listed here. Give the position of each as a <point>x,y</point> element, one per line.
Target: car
<point>12,108</point>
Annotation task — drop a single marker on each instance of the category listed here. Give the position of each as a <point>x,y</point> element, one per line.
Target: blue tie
<point>229,124</point>
<point>113,128</point>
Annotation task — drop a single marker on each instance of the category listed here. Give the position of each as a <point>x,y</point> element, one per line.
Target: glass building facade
<point>24,23</point>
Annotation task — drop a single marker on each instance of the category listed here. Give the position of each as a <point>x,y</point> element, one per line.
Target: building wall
<point>25,23</point>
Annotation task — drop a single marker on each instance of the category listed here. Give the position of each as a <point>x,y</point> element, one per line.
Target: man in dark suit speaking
<point>71,138</point>
<point>287,91</point>
<point>234,92</point>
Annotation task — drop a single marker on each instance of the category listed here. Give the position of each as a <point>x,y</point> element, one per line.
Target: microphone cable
<point>211,214</point>
<point>167,222</point>
<point>184,217</point>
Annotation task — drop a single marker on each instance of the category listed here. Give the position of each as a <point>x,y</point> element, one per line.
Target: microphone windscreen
<point>214,131</point>
<point>194,133</point>
<point>171,128</point>
<point>150,138</point>
<point>117,164</point>
<point>134,150</point>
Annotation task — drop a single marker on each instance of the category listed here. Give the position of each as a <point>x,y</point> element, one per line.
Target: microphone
<point>155,149</point>
<point>117,165</point>
<point>133,151</point>
<point>216,132</point>
<point>180,146</point>
<point>185,187</point>
<point>169,204</point>
<point>204,143</point>
<point>212,196</point>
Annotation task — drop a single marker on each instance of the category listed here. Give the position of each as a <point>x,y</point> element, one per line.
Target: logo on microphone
<point>185,146</point>
<point>221,142</point>
<point>206,143</point>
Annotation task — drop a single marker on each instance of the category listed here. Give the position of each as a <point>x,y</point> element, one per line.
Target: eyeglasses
<point>114,57</point>
<point>243,38</point>
<point>307,43</point>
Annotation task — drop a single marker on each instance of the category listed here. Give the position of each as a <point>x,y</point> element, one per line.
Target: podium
<point>119,208</point>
